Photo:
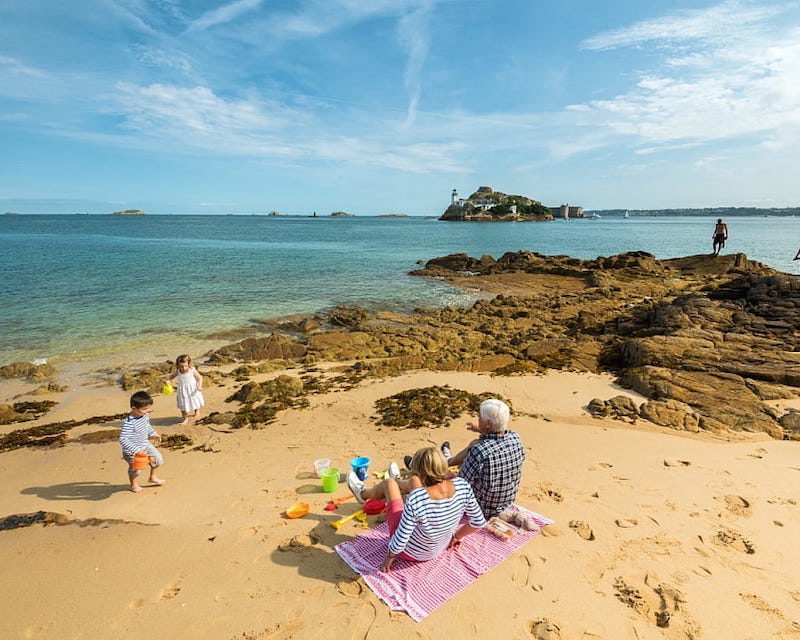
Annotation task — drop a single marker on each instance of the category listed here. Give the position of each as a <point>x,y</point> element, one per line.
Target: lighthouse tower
<point>454,197</point>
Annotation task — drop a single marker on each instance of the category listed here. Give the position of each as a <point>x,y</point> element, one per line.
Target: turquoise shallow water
<point>76,284</point>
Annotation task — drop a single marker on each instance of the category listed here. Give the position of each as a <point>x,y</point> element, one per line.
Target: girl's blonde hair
<point>430,466</point>
<point>183,358</point>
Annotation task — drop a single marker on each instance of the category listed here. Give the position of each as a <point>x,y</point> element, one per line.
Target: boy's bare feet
<point>156,481</point>
<point>135,488</point>
<point>184,423</point>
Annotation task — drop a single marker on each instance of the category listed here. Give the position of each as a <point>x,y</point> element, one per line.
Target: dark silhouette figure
<point>720,236</point>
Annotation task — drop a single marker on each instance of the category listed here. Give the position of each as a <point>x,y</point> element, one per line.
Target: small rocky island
<point>129,212</point>
<point>487,205</point>
<point>342,214</point>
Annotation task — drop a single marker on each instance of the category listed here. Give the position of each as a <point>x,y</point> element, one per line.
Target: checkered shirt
<point>493,467</point>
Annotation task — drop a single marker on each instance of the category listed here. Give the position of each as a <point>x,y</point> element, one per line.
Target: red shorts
<point>394,511</point>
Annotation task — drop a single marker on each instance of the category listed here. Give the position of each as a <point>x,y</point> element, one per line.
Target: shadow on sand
<point>76,491</point>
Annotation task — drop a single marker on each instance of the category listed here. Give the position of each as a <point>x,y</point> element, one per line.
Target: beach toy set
<point>329,478</point>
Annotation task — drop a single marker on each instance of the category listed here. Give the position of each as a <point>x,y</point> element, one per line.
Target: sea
<point>78,286</point>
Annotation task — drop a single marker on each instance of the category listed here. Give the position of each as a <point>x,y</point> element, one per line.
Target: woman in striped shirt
<point>428,522</point>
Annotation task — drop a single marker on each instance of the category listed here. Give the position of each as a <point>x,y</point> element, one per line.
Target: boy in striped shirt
<point>136,434</point>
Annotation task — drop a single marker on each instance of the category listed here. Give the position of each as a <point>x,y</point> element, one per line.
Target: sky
<point>385,106</point>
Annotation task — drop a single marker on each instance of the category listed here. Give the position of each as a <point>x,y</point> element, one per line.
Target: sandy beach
<point>647,521</point>
<point>659,532</point>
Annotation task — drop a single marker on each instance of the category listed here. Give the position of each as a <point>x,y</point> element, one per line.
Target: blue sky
<point>383,106</point>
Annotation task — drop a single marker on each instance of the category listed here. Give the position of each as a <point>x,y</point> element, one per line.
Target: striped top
<point>427,525</point>
<point>134,434</point>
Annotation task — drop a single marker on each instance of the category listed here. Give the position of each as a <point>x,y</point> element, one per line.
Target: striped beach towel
<point>420,587</point>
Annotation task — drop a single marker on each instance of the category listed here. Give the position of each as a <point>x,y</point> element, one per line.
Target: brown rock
<point>670,413</point>
<point>272,347</point>
<point>31,372</point>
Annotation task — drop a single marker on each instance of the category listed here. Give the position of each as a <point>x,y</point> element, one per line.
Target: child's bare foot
<point>156,481</point>
<point>135,488</point>
<point>184,423</point>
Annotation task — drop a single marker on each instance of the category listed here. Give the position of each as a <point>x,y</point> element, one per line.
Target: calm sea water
<point>75,285</point>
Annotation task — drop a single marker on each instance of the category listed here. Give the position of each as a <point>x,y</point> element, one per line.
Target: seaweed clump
<point>46,518</point>
<point>24,411</point>
<point>176,441</point>
<point>275,395</point>
<point>434,406</point>
<point>54,433</point>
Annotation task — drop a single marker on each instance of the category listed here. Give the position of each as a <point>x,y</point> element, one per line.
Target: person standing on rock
<point>720,236</point>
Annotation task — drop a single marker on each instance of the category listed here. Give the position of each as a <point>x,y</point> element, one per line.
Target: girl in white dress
<point>190,388</point>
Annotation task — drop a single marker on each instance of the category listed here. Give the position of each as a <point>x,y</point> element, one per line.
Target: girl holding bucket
<point>190,388</point>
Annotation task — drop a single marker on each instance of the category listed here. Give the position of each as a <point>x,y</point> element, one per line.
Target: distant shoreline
<point>719,212</point>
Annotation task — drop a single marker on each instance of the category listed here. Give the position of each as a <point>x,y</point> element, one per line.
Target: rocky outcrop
<point>272,347</point>
<point>708,340</point>
<point>28,371</point>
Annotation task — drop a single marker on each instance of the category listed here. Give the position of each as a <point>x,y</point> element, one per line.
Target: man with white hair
<point>492,464</point>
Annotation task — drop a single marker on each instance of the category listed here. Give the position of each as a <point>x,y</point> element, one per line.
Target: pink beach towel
<point>419,587</point>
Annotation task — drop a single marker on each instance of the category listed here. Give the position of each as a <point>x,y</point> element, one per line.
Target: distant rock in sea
<point>487,205</point>
<point>342,214</point>
<point>11,213</point>
<point>393,215</point>
<point>129,212</point>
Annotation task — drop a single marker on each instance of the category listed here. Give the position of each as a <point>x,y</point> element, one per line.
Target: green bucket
<point>330,479</point>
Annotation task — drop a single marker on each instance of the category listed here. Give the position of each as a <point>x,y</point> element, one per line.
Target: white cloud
<point>223,14</point>
<point>413,33</point>
<point>17,67</point>
<point>725,21</point>
<point>165,59</point>
<point>730,83</point>
<point>198,119</point>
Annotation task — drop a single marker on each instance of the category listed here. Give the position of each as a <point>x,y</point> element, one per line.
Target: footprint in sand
<point>552,531</point>
<point>169,593</point>
<point>136,603</point>
<point>522,572</point>
<point>657,602</point>
<point>582,529</point>
<point>671,462</point>
<point>543,629</point>
<point>702,571</point>
<point>36,630</point>
<point>734,540</point>
<point>351,589</point>
<point>737,505</point>
<point>759,604</point>
<point>626,523</point>
<point>302,541</point>
<point>551,492</point>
